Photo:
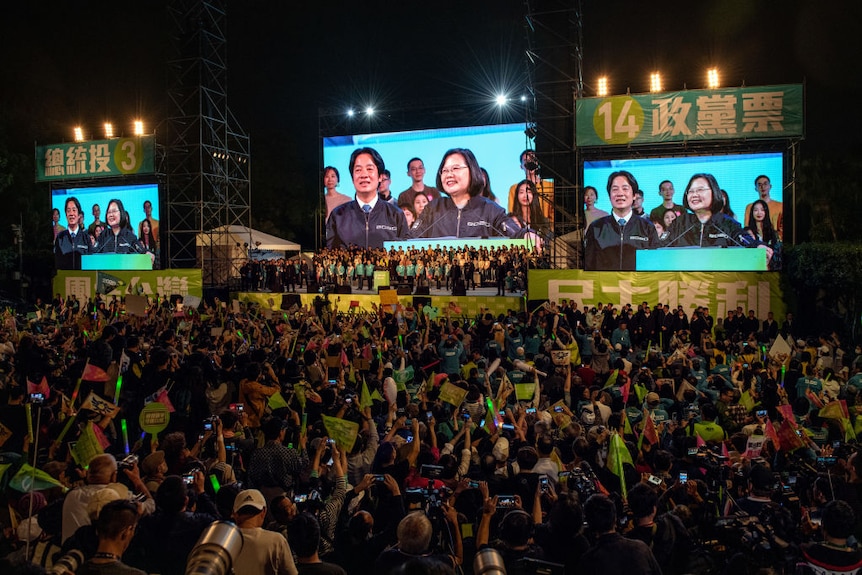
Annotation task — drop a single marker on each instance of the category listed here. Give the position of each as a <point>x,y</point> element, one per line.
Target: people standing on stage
<point>366,222</point>
<point>611,242</point>
<point>73,241</point>
<point>333,197</point>
<point>416,171</point>
<point>383,189</point>
<point>55,222</point>
<point>666,191</point>
<point>96,223</point>
<point>763,185</point>
<point>154,223</point>
<point>527,211</point>
<point>591,212</point>
<point>544,188</point>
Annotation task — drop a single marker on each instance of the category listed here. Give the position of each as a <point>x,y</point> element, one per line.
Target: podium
<point>100,262</point>
<point>697,259</point>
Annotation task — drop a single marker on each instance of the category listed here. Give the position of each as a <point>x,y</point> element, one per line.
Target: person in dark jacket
<point>465,213</point>
<point>367,221</point>
<point>613,553</point>
<point>118,237</point>
<point>612,241</point>
<point>72,242</point>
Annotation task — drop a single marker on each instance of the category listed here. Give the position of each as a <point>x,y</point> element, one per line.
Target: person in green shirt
<point>707,428</point>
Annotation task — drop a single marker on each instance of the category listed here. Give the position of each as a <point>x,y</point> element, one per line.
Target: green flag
<point>276,401</point>
<point>525,391</point>
<point>342,431</point>
<point>640,391</point>
<point>612,379</point>
<point>365,397</point>
<point>618,454</point>
<point>31,479</point>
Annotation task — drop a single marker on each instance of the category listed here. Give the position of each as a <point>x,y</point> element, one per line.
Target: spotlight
<point>109,130</point>
<point>350,112</point>
<point>712,78</point>
<point>603,86</point>
<point>369,111</point>
<point>501,100</point>
<point>79,134</point>
<point>523,98</point>
<point>655,82</point>
<point>139,128</point>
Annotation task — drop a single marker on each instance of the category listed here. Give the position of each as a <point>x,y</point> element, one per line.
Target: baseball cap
<point>150,464</point>
<point>249,498</point>
<point>501,449</point>
<point>652,397</point>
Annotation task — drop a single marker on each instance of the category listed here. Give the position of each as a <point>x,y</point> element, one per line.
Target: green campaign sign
<point>96,159</point>
<point>718,291</point>
<point>85,284</point>
<point>154,417</point>
<point>691,115</point>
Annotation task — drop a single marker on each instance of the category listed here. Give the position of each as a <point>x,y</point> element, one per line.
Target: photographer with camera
<point>415,533</point>
<point>101,471</point>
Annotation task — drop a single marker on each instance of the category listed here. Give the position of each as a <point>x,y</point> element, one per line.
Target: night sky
<point>89,61</point>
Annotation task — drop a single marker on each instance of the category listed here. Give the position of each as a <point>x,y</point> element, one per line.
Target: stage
<point>470,304</point>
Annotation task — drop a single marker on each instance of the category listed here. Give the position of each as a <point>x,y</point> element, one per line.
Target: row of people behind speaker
<point>114,236</point>
<point>611,241</point>
<point>463,212</point>
<point>418,267</point>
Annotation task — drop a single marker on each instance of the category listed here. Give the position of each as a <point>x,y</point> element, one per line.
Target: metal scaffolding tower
<point>554,58</point>
<point>207,154</point>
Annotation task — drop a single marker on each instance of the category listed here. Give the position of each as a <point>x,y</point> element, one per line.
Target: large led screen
<point>684,225</point>
<point>106,227</point>
<point>497,149</point>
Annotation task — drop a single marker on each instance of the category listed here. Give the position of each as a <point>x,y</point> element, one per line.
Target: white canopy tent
<point>224,249</point>
<point>247,238</point>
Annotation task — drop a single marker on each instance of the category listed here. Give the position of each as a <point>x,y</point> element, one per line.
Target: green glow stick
<point>30,422</point>
<point>117,391</point>
<point>214,481</point>
<point>69,421</point>
<point>125,435</point>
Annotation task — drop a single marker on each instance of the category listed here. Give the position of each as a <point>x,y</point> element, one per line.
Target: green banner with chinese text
<point>96,159</point>
<point>691,115</point>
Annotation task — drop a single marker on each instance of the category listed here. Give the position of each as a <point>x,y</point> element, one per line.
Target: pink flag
<point>625,390</point>
<point>94,373</point>
<point>100,437</point>
<point>41,387</point>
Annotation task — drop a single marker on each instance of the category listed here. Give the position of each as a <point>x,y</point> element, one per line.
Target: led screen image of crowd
<point>106,227</point>
<point>622,231</point>
<point>458,200</point>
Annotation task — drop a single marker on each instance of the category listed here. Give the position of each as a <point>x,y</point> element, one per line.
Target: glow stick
<point>69,421</point>
<point>125,435</point>
<point>117,391</point>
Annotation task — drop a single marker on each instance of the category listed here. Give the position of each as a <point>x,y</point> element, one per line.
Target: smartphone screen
<point>683,477</point>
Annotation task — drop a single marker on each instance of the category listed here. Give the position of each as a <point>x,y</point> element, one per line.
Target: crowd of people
<point>564,438</point>
<point>441,268</point>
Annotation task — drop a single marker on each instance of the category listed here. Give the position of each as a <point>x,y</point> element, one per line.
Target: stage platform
<point>361,300</point>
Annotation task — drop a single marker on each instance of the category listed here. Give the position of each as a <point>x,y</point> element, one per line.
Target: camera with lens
<point>128,462</point>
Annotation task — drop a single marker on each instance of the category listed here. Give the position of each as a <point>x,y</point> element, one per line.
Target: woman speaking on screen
<point>704,224</point>
<point>118,237</point>
<point>465,213</point>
